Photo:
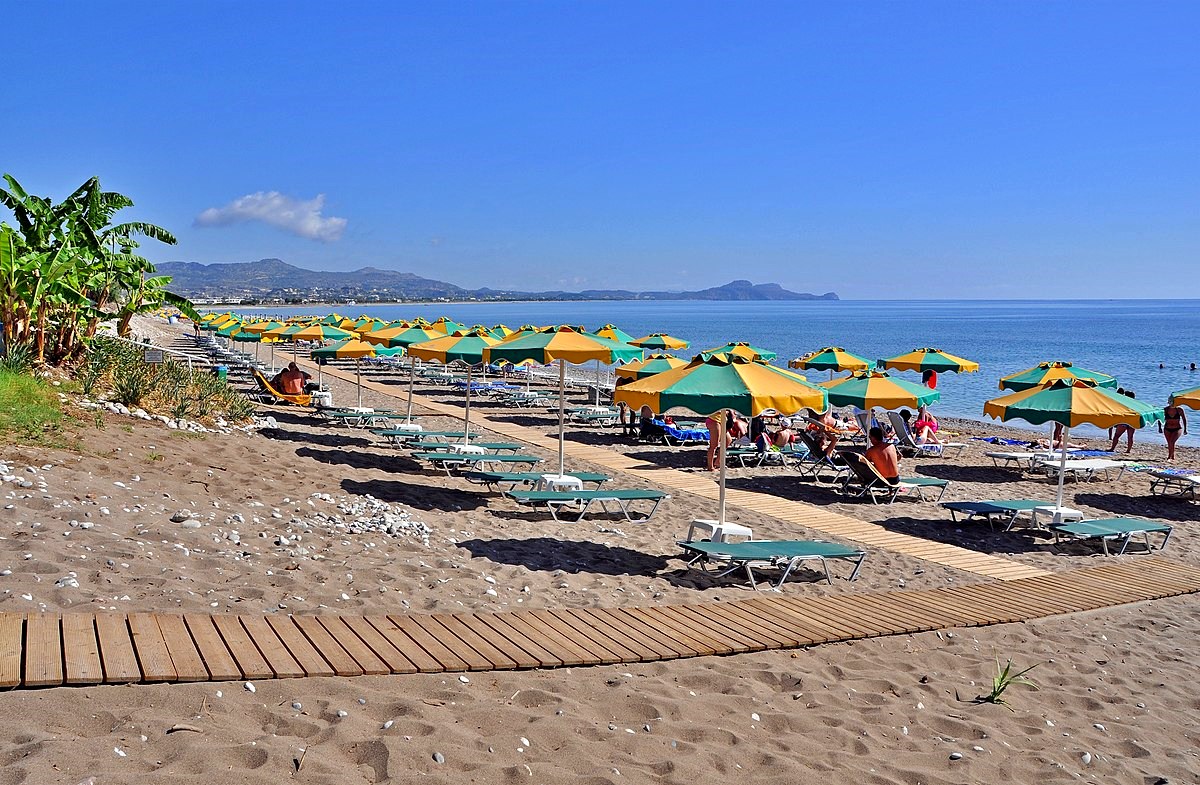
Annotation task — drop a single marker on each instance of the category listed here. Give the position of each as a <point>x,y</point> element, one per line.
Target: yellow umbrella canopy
<point>926,359</point>
<point>1069,403</point>
<point>1188,398</point>
<point>655,363</point>
<point>712,383</point>
<point>660,341</point>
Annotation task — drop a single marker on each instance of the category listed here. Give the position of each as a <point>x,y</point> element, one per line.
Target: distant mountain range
<point>273,280</point>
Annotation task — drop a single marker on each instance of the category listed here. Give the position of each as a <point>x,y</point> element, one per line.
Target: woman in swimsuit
<point>925,427</point>
<point>1173,427</point>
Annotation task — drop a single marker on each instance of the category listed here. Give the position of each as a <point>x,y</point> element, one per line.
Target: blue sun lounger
<point>1121,530</point>
<point>759,554</point>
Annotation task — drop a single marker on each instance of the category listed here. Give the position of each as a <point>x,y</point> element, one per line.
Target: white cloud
<point>300,218</point>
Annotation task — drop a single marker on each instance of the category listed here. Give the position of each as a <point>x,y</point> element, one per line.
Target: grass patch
<point>29,410</point>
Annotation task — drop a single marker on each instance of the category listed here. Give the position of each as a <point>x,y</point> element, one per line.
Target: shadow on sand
<point>417,495</point>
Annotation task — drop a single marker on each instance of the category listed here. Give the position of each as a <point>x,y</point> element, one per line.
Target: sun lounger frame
<point>557,500</point>
<point>704,552</point>
<point>1117,529</point>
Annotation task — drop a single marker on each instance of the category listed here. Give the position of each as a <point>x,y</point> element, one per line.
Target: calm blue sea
<point>1125,338</point>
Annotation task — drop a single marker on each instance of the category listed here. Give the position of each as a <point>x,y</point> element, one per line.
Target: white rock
<point>343,713</point>
<point>388,724</point>
<point>464,679</point>
<point>1086,758</point>
<point>250,687</point>
<point>297,705</point>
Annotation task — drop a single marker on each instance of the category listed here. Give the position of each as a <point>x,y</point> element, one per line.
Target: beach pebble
<point>181,516</point>
<point>464,679</point>
<point>343,713</point>
<point>1097,726</point>
<point>120,753</point>
<point>362,701</point>
<point>5,572</point>
<point>612,726</point>
<point>297,705</point>
<point>955,756</point>
<point>1086,758</point>
<point>388,724</point>
<point>754,716</point>
<point>439,757</point>
<point>977,748</point>
<point>249,687</point>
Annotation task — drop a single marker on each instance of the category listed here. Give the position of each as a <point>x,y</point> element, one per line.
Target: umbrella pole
<point>721,420</point>
<point>562,416</point>
<point>1062,472</point>
<point>358,373</point>
<point>412,380</point>
<point>467,414</point>
<point>597,382</point>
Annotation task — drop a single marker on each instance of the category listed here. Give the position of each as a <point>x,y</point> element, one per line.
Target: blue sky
<point>937,149</point>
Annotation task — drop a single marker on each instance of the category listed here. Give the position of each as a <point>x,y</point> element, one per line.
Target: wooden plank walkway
<point>870,534</point>
<point>51,649</point>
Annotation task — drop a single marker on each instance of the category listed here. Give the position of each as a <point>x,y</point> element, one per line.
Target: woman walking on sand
<point>1173,427</point>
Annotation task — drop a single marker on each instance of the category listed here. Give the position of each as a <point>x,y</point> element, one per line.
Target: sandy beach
<point>144,518</point>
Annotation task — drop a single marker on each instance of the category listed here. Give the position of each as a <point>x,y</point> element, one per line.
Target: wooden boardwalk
<point>812,517</point>
<point>51,649</point>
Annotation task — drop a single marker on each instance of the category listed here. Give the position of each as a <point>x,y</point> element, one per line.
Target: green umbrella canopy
<point>333,318</point>
<point>349,348</point>
<point>1044,373</point>
<point>321,332</point>
<point>369,325</point>
<point>245,336</point>
<point>714,382</point>
<point>565,343</point>
<point>925,359</point>
<point>743,349</point>
<point>401,336</point>
<point>613,333</point>
<point>876,388</point>
<point>655,363</point>
<point>389,351</point>
<point>660,341</point>
<point>230,329</point>
<point>831,358</point>
<point>465,346</point>
<point>1071,403</point>
<point>446,325</point>
<point>262,327</point>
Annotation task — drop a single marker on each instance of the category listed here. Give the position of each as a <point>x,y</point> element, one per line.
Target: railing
<point>163,349</point>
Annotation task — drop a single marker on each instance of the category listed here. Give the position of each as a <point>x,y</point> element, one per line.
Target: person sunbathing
<point>883,456</point>
<point>925,427</point>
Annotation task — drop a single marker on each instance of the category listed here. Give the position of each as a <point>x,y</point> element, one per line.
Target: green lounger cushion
<point>435,446</point>
<point>995,506</point>
<point>1110,527</point>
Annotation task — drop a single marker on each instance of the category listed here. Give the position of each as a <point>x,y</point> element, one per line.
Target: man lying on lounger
<point>883,456</point>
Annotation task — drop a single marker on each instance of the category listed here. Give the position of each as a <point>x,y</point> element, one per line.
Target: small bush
<point>29,409</point>
<point>119,370</point>
<point>18,358</point>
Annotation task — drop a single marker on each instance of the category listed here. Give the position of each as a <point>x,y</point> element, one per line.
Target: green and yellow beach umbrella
<point>263,326</point>
<point>563,344</point>
<point>333,319</point>
<point>1189,398</point>
<point>367,325</point>
<point>712,383</point>
<point>464,346</point>
<point>229,328</point>
<point>613,333</point>
<point>743,350</point>
<point>831,358</point>
<point>1052,371</point>
<point>660,341</point>
<point>350,348</point>
<point>1070,403</point>
<point>868,389</point>
<point>400,337</point>
<point>321,332</point>
<point>501,331</point>
<point>446,325</point>
<point>640,369</point>
<point>922,360</point>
